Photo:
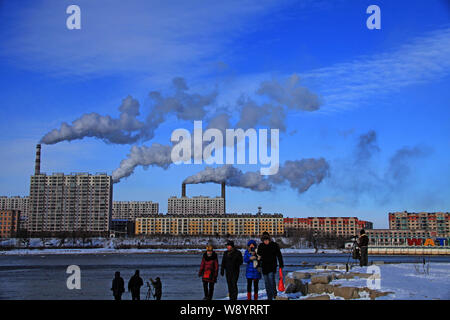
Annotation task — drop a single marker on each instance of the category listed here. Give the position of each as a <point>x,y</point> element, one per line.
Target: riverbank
<point>19,252</point>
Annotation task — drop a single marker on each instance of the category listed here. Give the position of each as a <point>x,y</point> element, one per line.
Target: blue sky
<point>392,83</point>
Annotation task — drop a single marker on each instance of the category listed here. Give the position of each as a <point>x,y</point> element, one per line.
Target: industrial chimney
<point>183,190</point>
<point>223,196</point>
<point>37,164</point>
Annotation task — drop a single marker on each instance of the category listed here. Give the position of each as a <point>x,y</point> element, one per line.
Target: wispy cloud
<point>419,60</point>
<point>124,37</point>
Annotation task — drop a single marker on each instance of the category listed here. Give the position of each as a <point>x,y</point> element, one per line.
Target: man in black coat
<point>363,243</point>
<point>134,286</point>
<point>268,253</point>
<point>231,262</point>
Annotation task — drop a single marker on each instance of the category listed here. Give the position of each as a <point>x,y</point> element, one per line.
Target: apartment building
<point>436,222</point>
<point>16,203</point>
<point>78,202</point>
<point>130,210</point>
<point>9,223</point>
<point>197,205</point>
<point>232,224</point>
<point>339,226</point>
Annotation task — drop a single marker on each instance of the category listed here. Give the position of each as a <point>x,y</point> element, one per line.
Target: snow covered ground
<point>406,281</point>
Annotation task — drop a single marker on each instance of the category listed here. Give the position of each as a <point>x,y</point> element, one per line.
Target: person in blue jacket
<point>252,273</point>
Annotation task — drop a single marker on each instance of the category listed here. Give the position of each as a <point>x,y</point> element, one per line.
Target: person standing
<point>158,288</point>
<point>209,269</point>
<point>134,286</point>
<point>251,272</point>
<point>231,262</point>
<point>269,252</point>
<point>363,243</point>
<point>118,286</point>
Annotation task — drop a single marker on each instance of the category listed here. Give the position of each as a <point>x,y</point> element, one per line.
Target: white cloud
<point>150,37</point>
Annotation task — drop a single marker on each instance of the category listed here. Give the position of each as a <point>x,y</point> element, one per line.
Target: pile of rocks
<point>320,284</point>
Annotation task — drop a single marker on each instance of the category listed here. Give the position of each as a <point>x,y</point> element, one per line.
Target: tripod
<point>149,292</point>
<point>354,253</point>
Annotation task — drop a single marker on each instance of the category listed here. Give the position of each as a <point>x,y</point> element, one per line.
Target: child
<point>252,273</point>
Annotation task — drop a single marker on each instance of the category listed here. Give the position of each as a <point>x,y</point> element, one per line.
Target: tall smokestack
<point>37,164</point>
<point>223,196</point>
<point>183,190</point>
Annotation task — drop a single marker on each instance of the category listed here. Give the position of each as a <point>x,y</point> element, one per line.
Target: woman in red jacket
<point>209,270</point>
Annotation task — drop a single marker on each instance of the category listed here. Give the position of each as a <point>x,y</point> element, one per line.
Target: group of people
<point>262,261</point>
<point>134,286</point>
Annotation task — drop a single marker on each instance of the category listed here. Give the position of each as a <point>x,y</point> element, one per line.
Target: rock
<point>319,288</point>
<point>319,267</point>
<point>341,267</point>
<point>322,297</point>
<point>376,294</point>
<point>331,267</point>
<point>321,279</point>
<point>281,298</point>
<point>346,292</point>
<point>301,275</point>
<point>295,285</point>
<point>378,262</point>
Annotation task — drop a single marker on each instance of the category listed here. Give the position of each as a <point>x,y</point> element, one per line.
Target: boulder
<point>346,292</point>
<point>331,267</point>
<point>320,267</point>
<point>301,275</point>
<point>281,298</point>
<point>295,285</point>
<point>322,297</point>
<point>376,294</point>
<point>326,278</point>
<point>319,288</point>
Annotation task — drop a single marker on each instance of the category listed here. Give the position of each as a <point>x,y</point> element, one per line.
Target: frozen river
<point>44,276</point>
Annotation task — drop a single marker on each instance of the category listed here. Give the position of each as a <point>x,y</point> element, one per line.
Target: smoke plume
<point>299,174</point>
<point>155,155</point>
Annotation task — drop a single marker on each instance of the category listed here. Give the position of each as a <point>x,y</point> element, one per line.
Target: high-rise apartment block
<point>60,203</point>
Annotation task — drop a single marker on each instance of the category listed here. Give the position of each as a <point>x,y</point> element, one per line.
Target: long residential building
<point>338,226</point>
<point>16,203</point>
<point>229,224</point>
<point>130,210</point>
<point>436,222</point>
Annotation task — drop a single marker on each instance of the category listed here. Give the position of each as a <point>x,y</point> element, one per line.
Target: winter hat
<point>209,247</point>
<point>362,231</point>
<point>230,243</point>
<point>251,242</point>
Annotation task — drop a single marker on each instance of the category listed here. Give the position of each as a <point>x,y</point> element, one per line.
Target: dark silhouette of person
<point>158,288</point>
<point>134,286</point>
<point>363,243</point>
<point>118,286</point>
<point>231,262</point>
